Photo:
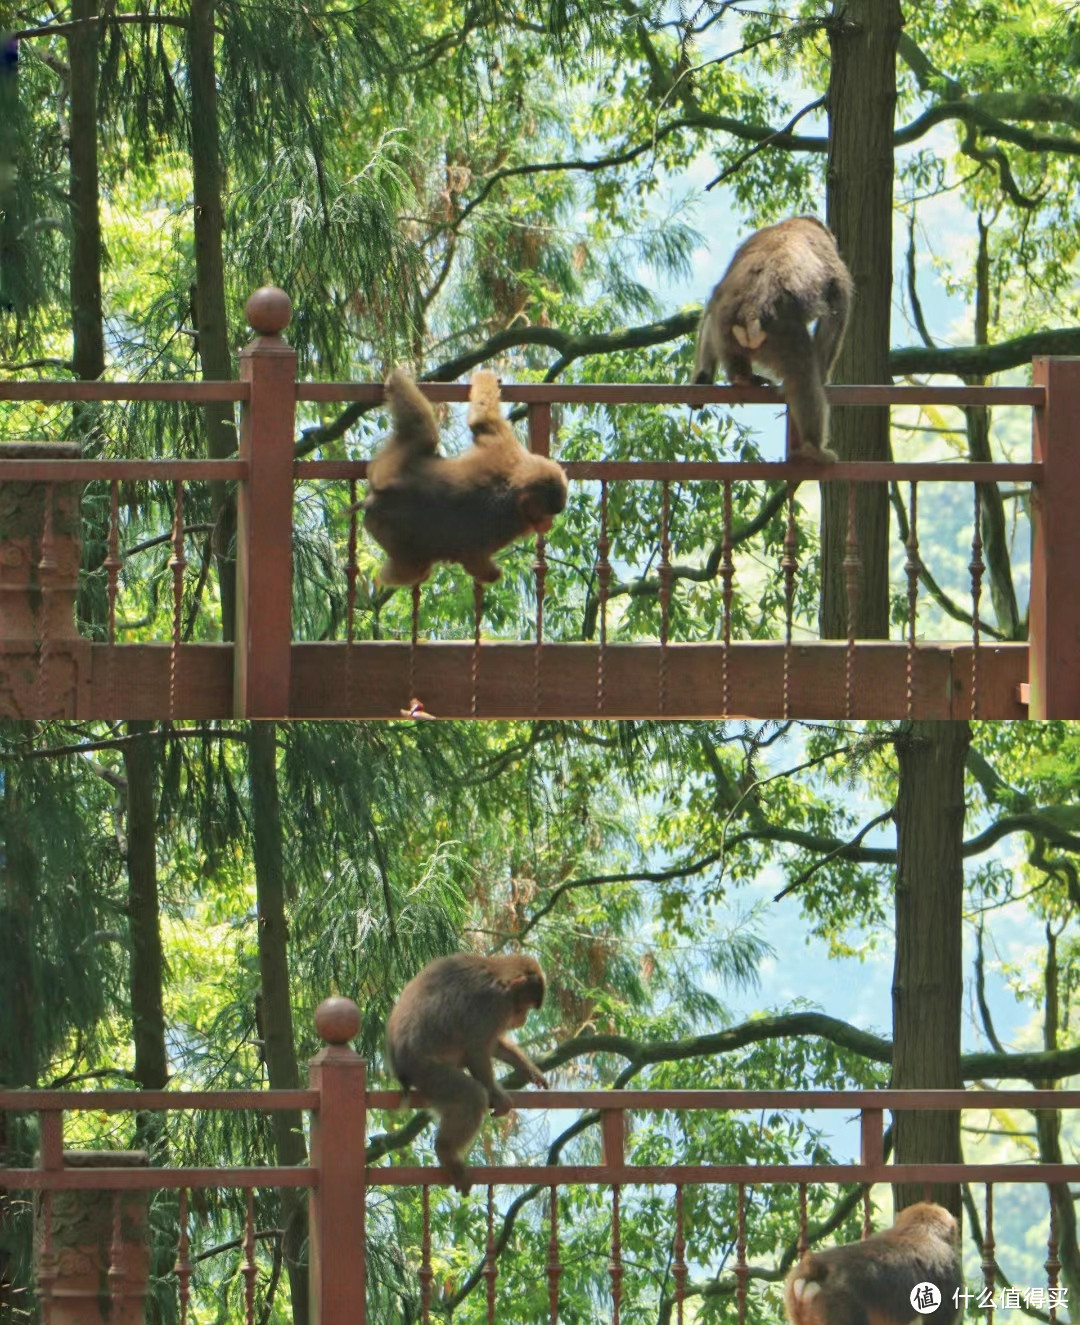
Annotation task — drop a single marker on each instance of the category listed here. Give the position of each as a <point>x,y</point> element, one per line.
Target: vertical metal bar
<point>554,1264</point>
<point>478,615</point>
<point>802,1245</point>
<point>975,569</point>
<point>852,571</point>
<point>352,570</point>
<point>250,1269</point>
<point>913,569</point>
<point>491,1266</point>
<point>665,589</point>
<point>615,1269</point>
<point>1052,1265</point>
<point>425,1259</point>
<point>679,1267</point>
<point>790,565</point>
<point>727,574</point>
<point>989,1263</point>
<point>742,1270</point>
<point>183,1258</point>
<point>262,673</point>
<point>177,564</point>
<point>603,577</point>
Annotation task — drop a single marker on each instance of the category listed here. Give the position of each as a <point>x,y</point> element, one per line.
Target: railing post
<point>338,1198</point>
<point>1054,618</point>
<point>264,513</point>
<point>872,1138</point>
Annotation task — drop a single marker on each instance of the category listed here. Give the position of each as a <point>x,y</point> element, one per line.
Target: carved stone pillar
<point>93,1263</point>
<point>44,664</point>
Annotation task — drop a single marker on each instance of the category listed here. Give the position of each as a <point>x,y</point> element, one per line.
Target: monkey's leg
<point>462,1103</point>
<point>508,1052</point>
<point>792,354</point>
<point>828,334</point>
<point>497,1099</point>
<point>813,1303</point>
<point>395,571</point>
<point>481,567</point>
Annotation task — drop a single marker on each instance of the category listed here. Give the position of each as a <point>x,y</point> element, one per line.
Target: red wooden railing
<point>338,1176</point>
<point>268,672</point>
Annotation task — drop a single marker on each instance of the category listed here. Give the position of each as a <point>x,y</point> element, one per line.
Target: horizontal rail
<point>119,1101</point>
<point>659,393</point>
<point>200,392</point>
<point>83,471</point>
<point>558,1175</point>
<point>868,471</point>
<point>768,1099</point>
<point>104,1179</point>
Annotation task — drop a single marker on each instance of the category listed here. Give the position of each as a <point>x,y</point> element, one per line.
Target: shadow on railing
<point>567,641</point>
<point>99,1199</point>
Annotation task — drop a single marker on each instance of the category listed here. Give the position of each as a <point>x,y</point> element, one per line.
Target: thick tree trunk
<point>928,977</point>
<point>279,1047</point>
<point>147,960</point>
<point>863,36</point>
<point>209,303</point>
<point>88,355</point>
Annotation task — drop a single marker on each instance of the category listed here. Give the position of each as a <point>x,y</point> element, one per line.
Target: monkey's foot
<point>499,1101</point>
<point>819,455</point>
<point>455,1171</point>
<point>393,574</point>
<point>482,568</point>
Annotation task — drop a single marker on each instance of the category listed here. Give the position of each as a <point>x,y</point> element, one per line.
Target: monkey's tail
<point>484,401</point>
<point>414,419</point>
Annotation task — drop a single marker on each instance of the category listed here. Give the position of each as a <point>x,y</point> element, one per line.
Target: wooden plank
<point>662,393</point>
<point>506,680</point>
<point>132,681</point>
<point>198,391</point>
<point>82,471</point>
<point>1054,614</point>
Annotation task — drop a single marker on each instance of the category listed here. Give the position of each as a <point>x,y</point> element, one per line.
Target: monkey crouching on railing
<point>423,507</point>
<point>872,1282</point>
<point>780,280</point>
<point>449,1022</point>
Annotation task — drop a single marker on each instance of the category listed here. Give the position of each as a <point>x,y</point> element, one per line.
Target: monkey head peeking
<point>443,1032</point>
<point>422,507</point>
<point>780,280</point>
<point>871,1282</point>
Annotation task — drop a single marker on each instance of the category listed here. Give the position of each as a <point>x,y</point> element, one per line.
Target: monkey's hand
<point>538,1079</point>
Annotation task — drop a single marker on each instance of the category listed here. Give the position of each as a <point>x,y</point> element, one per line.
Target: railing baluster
<point>852,569</point>
<point>742,1270</point>
<point>727,575</point>
<point>177,564</point>
<point>913,569</point>
<point>491,1264</point>
<point>249,1268</point>
<point>665,590</point>
<point>183,1258</point>
<point>113,565</point>
<point>351,572</point>
<point>615,1268</point>
<point>540,571</point>
<point>474,668</point>
<point>603,577</point>
<point>425,1259</point>
<point>1052,1265</point>
<point>790,565</point>
<point>554,1264</point>
<point>989,1263</point>
<point>975,569</point>
<point>679,1267</point>
<point>414,631</point>
<point>867,1224</point>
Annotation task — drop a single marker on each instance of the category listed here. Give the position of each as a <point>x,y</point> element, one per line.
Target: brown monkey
<point>422,507</point>
<point>871,1282</point>
<point>780,280</point>
<point>449,1022</point>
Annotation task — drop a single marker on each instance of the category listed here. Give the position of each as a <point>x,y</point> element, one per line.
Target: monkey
<point>422,507</point>
<point>780,280</point>
<point>871,1282</point>
<point>448,1023</point>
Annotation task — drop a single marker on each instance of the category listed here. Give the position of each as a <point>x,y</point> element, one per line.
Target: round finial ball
<point>268,310</point>
<point>337,1019</point>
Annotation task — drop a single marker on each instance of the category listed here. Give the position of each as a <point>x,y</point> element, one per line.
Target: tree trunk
<point>863,36</point>
<point>279,1047</point>
<point>88,355</point>
<point>211,323</point>
<point>928,977</point>
<point>147,961</point>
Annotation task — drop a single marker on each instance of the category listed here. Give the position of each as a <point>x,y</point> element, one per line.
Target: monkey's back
<point>788,270</point>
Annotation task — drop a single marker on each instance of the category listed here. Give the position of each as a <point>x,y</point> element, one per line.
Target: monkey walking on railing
<point>780,280</point>
<point>873,1282</point>
<point>422,507</point>
<point>448,1023</point>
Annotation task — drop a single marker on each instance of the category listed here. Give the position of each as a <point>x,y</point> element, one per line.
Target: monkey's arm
<point>506,1051</point>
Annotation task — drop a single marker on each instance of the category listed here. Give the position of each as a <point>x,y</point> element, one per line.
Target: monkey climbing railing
<point>174,666</point>
<point>102,1251</point>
